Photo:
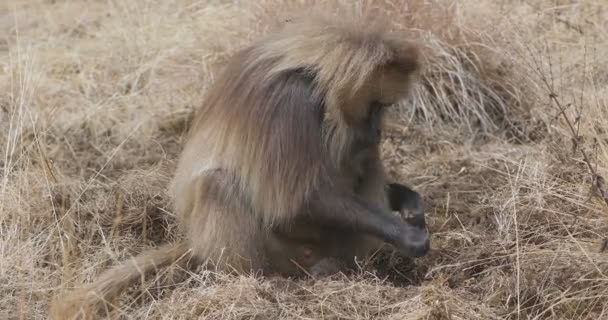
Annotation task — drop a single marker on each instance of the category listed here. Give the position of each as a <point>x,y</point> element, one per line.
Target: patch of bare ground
<point>505,136</point>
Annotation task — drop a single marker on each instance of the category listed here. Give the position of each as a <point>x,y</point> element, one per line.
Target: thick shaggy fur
<point>282,145</point>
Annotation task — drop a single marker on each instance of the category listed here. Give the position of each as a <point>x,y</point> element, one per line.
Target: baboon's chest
<point>356,171</point>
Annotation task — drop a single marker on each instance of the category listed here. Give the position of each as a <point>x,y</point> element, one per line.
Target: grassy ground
<point>505,137</point>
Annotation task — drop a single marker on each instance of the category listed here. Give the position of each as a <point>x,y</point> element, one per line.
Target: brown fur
<point>278,163</point>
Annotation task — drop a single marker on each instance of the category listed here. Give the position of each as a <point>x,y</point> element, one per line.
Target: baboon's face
<point>382,91</point>
<point>369,129</point>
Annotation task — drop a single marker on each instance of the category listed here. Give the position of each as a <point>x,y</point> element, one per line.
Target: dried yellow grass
<point>95,97</point>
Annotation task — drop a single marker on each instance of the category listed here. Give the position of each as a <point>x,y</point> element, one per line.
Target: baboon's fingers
<point>416,220</point>
<point>403,197</point>
<point>414,242</point>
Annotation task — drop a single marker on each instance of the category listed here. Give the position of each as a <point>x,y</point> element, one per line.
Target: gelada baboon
<point>281,170</point>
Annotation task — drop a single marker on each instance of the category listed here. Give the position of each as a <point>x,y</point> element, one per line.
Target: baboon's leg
<point>291,257</point>
<point>372,188</point>
<point>222,228</point>
<point>304,252</point>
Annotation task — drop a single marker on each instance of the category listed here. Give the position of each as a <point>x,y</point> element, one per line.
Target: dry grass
<point>95,97</point>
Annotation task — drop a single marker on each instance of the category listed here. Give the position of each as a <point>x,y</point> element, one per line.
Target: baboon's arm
<point>341,209</point>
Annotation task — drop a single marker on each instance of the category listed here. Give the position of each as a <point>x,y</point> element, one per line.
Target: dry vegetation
<point>506,138</point>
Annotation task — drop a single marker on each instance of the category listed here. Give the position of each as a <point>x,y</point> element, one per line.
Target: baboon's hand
<point>401,198</point>
<point>413,241</point>
<point>416,218</point>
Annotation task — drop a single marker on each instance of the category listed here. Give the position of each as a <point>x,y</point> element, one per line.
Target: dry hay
<point>95,97</point>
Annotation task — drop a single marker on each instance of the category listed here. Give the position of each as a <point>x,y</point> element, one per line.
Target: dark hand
<point>402,197</point>
<point>413,241</point>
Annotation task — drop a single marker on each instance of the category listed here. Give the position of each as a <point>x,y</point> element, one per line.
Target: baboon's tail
<point>95,300</point>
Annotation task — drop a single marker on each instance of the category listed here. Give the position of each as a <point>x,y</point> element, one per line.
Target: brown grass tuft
<point>95,97</point>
